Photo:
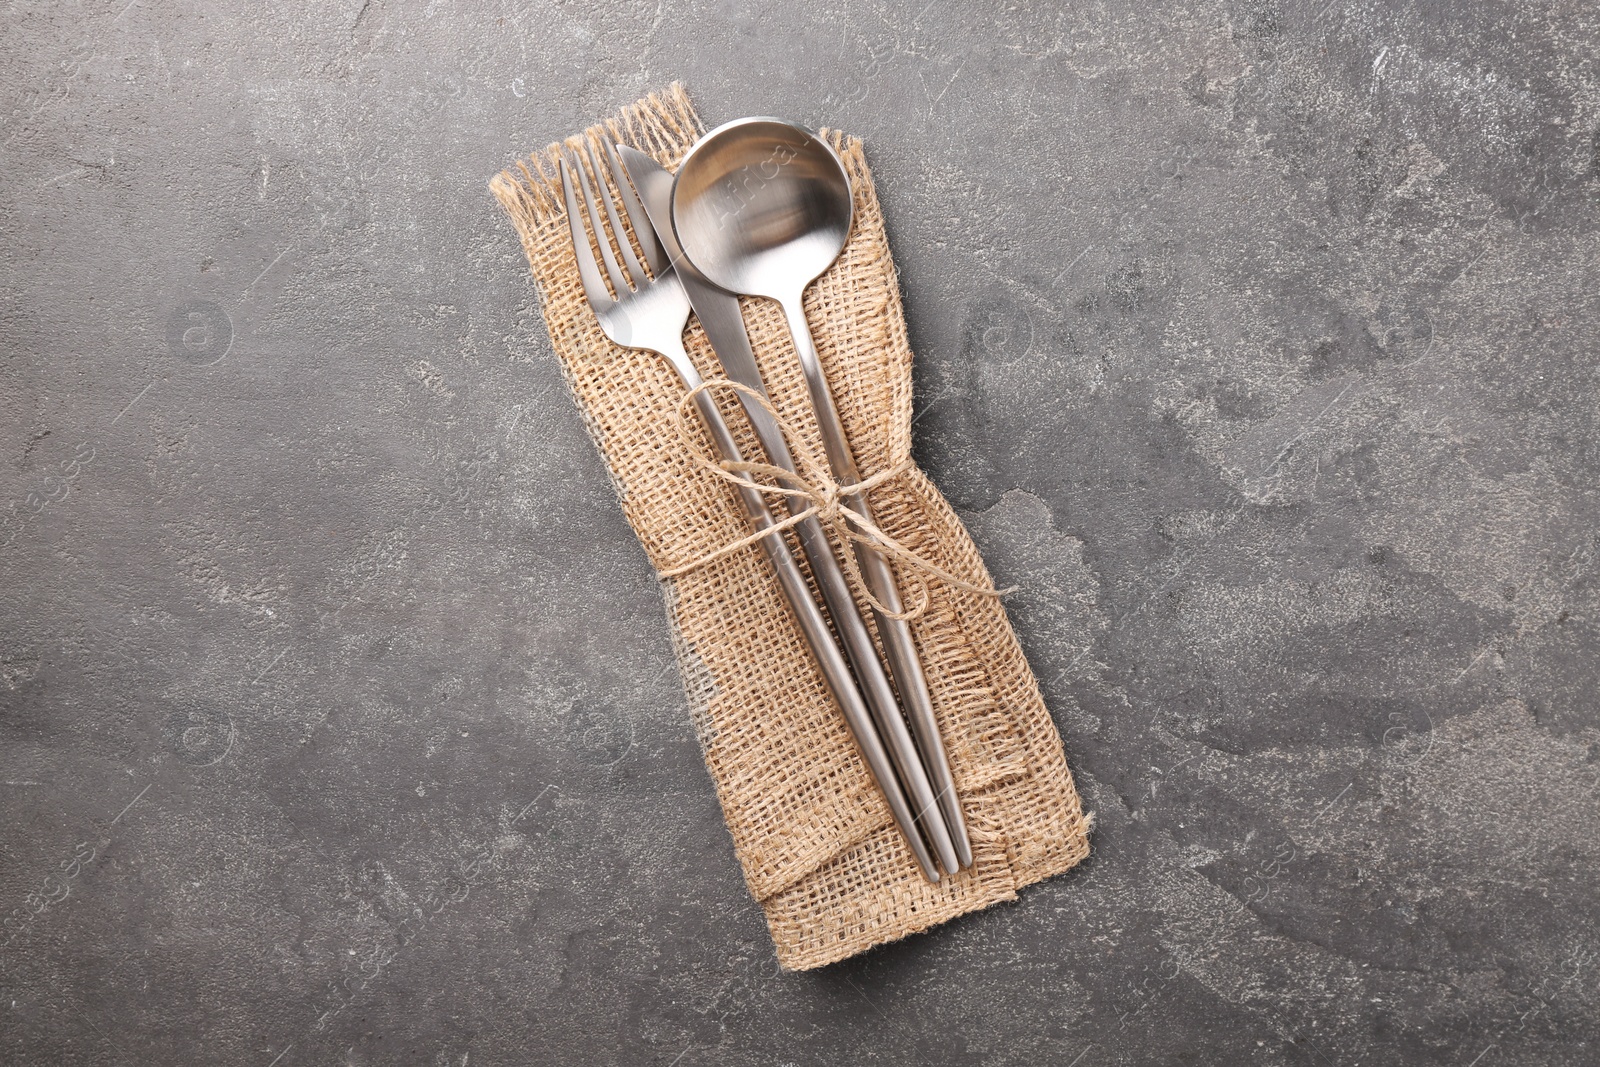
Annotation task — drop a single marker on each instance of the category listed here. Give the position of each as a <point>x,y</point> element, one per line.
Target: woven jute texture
<point>817,844</point>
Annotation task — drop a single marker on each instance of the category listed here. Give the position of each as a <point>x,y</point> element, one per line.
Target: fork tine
<point>654,254</point>
<point>619,280</point>
<point>594,287</point>
<point>621,234</point>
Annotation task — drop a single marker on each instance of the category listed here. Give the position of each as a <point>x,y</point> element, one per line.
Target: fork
<point>649,311</point>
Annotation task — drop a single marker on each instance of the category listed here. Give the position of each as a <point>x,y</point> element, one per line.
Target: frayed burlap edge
<point>814,838</point>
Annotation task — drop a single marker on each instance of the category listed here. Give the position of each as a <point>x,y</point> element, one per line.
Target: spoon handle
<point>814,627</point>
<point>943,819</point>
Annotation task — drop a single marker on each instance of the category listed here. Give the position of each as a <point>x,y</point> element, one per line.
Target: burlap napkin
<point>819,849</point>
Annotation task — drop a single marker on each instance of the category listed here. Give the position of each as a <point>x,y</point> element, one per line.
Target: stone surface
<point>339,722</point>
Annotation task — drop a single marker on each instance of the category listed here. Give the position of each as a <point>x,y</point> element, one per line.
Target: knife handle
<point>814,627</point>
<point>899,647</point>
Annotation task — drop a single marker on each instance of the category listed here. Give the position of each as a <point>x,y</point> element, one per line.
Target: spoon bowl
<point>762,206</point>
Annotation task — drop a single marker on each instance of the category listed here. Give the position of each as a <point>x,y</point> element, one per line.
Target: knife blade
<point>717,309</point>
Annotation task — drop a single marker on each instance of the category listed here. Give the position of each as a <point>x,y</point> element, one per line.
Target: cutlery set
<point>760,207</point>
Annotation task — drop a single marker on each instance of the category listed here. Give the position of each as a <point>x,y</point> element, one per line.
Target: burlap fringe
<point>814,838</point>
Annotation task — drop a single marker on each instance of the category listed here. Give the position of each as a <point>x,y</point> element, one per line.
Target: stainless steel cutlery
<point>762,207</point>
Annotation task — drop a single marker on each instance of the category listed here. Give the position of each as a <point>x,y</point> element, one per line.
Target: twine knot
<point>825,500</point>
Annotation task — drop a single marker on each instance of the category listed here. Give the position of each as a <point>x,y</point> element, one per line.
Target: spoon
<point>762,207</point>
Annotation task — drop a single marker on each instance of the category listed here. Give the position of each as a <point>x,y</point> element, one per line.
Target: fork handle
<point>814,626</point>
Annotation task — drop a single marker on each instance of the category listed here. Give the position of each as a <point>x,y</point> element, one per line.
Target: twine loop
<point>826,500</point>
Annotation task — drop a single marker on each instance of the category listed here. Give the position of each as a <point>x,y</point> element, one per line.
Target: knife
<point>922,764</point>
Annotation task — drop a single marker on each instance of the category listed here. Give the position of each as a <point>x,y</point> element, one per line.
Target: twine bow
<point>814,482</point>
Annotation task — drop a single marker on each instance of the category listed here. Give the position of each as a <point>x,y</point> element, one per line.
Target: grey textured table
<point>339,722</point>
